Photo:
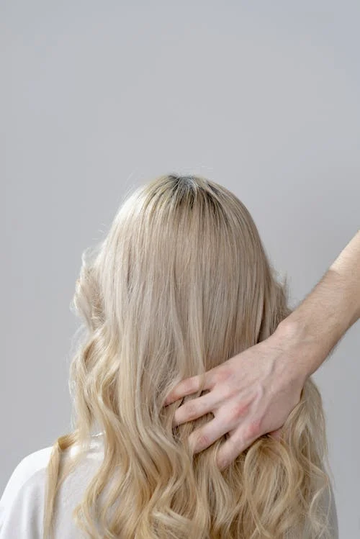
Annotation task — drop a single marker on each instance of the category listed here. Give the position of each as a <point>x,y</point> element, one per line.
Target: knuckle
<point>203,441</point>
<point>228,390</point>
<point>228,454</point>
<point>190,410</point>
<point>222,375</point>
<point>194,383</point>
<point>239,410</point>
<point>188,385</point>
<point>222,462</point>
<point>184,388</point>
<point>254,428</point>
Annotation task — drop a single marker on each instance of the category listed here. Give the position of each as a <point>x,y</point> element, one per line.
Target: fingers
<point>276,433</point>
<point>188,386</point>
<point>205,436</point>
<point>239,440</point>
<point>195,408</point>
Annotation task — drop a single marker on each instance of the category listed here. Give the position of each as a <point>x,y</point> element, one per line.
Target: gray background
<point>97,97</point>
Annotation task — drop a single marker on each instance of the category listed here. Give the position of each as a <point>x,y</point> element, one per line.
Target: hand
<point>251,394</point>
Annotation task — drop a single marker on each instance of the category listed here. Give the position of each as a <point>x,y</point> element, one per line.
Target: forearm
<point>323,317</point>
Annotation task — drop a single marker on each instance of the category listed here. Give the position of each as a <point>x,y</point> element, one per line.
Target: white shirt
<point>22,503</point>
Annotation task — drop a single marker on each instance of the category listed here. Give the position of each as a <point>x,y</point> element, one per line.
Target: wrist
<point>305,352</point>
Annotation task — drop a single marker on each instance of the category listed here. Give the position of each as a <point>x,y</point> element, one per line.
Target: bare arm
<point>250,397</point>
<point>328,311</point>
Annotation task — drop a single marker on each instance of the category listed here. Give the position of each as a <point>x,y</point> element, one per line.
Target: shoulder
<point>32,468</point>
<point>22,499</point>
<point>22,502</point>
<point>27,470</point>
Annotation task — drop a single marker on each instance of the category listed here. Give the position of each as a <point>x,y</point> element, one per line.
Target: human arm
<point>328,311</point>
<point>250,397</point>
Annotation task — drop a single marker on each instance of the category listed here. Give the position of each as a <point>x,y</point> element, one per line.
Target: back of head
<point>180,284</point>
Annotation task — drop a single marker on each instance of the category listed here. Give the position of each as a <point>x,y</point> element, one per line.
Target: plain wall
<point>98,97</point>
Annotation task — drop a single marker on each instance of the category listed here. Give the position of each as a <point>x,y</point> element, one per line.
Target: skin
<point>253,393</point>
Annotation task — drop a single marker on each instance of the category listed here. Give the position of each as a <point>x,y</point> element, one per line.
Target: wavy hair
<point>181,283</point>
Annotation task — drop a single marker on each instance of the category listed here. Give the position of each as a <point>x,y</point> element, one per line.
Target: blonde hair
<point>180,284</point>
